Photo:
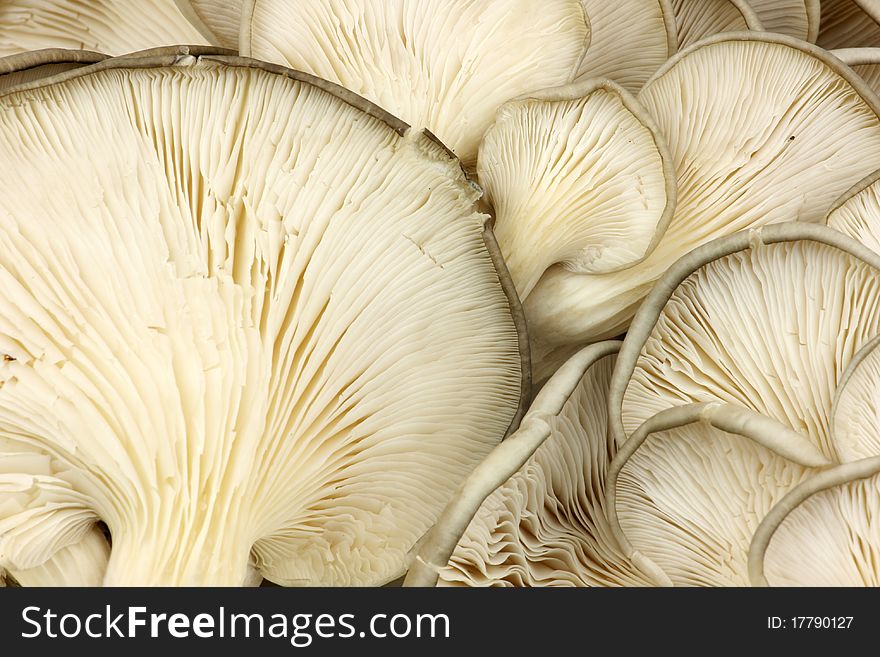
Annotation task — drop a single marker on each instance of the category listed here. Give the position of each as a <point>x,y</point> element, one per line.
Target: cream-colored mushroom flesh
<point>857,212</point>
<point>577,176</point>
<point>445,65</point>
<point>804,131</point>
<point>109,26</point>
<point>246,323</point>
<point>771,329</point>
<point>629,40</point>
<point>547,525</point>
<point>856,411</point>
<point>219,21</point>
<point>796,18</point>
<point>846,25</point>
<point>698,19</point>
<point>690,498</point>
<point>831,537</point>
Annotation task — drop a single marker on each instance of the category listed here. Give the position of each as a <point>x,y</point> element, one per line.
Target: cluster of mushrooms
<point>441,292</point>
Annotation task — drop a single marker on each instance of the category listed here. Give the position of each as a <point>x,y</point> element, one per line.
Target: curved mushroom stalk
<point>577,176</point>
<point>443,65</point>
<point>630,40</point>
<point>113,27</point>
<point>697,19</point>
<point>849,24</point>
<point>825,532</point>
<point>785,150</point>
<point>690,486</point>
<point>534,512</point>
<point>767,320</point>
<point>259,326</point>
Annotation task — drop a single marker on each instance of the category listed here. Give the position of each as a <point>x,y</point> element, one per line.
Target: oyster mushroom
<point>257,329</point>
<point>806,130</point>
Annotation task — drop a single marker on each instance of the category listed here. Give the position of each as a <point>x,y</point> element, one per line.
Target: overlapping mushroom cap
<point>577,176</point>
<point>849,24</point>
<point>258,326</point>
<point>545,525</point>
<point>805,130</point>
<point>725,389</point>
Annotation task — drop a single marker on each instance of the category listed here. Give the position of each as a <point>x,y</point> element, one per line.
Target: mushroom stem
<point>836,476</point>
<point>725,417</point>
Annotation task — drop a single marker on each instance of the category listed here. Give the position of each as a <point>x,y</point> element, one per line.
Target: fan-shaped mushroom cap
<point>38,64</point>
<point>445,65</point>
<point>579,176</point>
<point>825,532</point>
<point>248,318</point>
<point>857,212</point>
<point>533,513</point>
<point>785,149</point>
<point>219,21</point>
<point>690,486</point>
<point>108,26</point>
<point>855,416</point>
<point>796,18</point>
<point>630,40</point>
<point>698,19</point>
<point>849,24</point>
<point>767,320</point>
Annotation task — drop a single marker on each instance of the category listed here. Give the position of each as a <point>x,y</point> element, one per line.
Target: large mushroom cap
<point>579,176</point>
<point>108,26</point>
<point>445,65</point>
<point>855,414</point>
<point>545,525</point>
<point>766,320</point>
<point>762,129</point>
<point>248,319</point>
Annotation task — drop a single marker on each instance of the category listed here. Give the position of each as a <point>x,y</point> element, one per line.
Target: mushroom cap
<point>697,19</point>
<point>578,176</point>
<point>219,21</point>
<point>737,167</point>
<point>855,413</point>
<point>825,532</point>
<point>767,320</point>
<point>689,496</point>
<point>857,212</point>
<point>113,27</point>
<point>796,18</point>
<point>239,342</point>
<point>445,65</point>
<point>533,513</point>
<point>630,40</point>
<point>849,24</point>
<point>38,64</point>
<point>864,61</point>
